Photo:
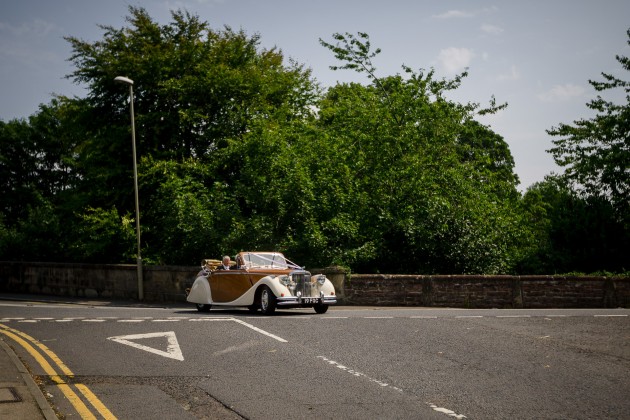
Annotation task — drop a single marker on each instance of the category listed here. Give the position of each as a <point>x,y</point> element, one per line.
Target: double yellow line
<point>85,413</point>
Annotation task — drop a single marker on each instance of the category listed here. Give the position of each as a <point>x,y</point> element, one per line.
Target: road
<point>351,363</point>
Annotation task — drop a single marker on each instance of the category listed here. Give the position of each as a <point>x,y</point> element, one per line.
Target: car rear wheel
<point>203,307</point>
<point>320,309</point>
<point>267,301</point>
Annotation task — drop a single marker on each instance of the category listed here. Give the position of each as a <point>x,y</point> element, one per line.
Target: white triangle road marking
<point>173,351</point>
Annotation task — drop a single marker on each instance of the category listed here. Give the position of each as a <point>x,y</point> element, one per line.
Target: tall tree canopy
<point>195,88</point>
<point>430,186</point>
<point>240,149</point>
<point>572,232</point>
<point>596,152</point>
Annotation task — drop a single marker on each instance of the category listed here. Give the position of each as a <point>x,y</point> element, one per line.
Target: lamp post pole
<point>129,82</point>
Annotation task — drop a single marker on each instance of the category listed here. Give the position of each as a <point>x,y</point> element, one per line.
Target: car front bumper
<point>305,301</point>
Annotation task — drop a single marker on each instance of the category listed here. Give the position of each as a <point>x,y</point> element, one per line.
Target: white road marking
<point>173,351</point>
<point>259,318</point>
<point>358,374</point>
<point>451,413</point>
<point>353,372</point>
<point>209,319</point>
<point>275,337</point>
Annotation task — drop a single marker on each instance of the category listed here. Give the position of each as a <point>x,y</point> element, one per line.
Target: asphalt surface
<point>20,397</point>
<point>481,363</point>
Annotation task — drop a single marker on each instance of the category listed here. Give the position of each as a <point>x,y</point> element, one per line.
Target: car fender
<point>328,288</point>
<point>273,282</point>
<point>200,291</point>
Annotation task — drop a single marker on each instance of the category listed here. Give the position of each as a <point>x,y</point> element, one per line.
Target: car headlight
<point>286,280</point>
<point>321,279</point>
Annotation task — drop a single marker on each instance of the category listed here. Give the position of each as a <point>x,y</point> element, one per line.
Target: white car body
<point>262,280</point>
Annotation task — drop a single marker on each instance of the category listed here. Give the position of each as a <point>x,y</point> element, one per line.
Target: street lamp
<point>129,82</point>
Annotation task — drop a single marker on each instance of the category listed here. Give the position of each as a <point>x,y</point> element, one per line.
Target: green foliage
<point>596,152</point>
<point>574,233</point>
<point>103,236</point>
<point>18,178</point>
<point>240,151</point>
<point>429,186</point>
<point>184,220</point>
<point>39,236</point>
<point>195,87</point>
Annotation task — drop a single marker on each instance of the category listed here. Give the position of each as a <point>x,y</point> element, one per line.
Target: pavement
<point>20,397</point>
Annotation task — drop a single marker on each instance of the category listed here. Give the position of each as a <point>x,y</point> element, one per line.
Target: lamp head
<point>125,80</point>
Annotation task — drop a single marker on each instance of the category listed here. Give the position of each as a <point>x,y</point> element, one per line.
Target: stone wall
<point>108,281</point>
<point>168,284</point>
<point>487,291</point>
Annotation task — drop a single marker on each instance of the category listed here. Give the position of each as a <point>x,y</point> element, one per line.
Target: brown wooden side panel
<point>227,286</point>
<point>215,282</point>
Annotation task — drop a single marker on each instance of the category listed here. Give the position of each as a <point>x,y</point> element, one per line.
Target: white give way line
<point>173,350</point>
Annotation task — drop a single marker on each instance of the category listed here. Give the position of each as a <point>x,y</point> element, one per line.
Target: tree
<point>239,151</point>
<point>573,232</point>
<point>40,235</point>
<point>195,87</point>
<point>430,185</point>
<point>489,157</point>
<point>37,173</point>
<point>197,90</point>
<point>18,178</point>
<point>102,236</point>
<point>596,152</point>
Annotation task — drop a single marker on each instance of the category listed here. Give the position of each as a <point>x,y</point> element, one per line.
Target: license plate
<point>310,300</point>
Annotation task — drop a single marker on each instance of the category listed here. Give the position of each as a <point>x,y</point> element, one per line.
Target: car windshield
<point>266,260</point>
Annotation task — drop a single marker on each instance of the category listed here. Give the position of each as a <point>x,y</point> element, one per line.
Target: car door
<point>229,285</point>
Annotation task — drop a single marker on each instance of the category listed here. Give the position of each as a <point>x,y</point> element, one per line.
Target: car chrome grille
<point>303,284</point>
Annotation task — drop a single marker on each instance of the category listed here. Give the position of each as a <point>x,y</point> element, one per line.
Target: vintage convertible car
<point>260,280</point>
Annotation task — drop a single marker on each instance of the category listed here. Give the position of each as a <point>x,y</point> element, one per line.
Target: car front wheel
<point>267,301</point>
<point>203,307</point>
<point>320,309</point>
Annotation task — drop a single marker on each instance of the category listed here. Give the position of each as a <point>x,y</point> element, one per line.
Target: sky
<point>536,55</point>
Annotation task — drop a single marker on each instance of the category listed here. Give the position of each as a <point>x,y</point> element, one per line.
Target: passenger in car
<point>225,265</point>
<point>239,263</point>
